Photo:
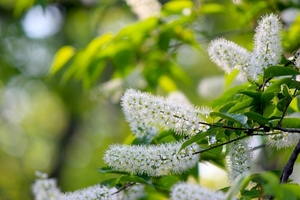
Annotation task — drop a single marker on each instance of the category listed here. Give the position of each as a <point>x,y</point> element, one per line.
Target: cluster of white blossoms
<point>186,191</point>
<point>45,188</point>
<point>145,8</point>
<point>239,159</point>
<point>153,160</point>
<point>267,50</point>
<point>282,139</point>
<point>146,113</point>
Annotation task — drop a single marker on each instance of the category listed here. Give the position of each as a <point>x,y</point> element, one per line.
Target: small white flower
<point>186,191</point>
<point>239,159</point>
<point>153,160</point>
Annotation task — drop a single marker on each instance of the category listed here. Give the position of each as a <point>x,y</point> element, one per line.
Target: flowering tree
<point>171,136</point>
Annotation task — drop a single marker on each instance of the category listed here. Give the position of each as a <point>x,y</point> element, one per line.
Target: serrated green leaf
<point>274,71</point>
<point>257,117</point>
<point>237,118</point>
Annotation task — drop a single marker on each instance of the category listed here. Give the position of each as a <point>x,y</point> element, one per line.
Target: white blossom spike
<point>44,188</point>
<point>282,139</point>
<point>153,160</point>
<point>146,114</point>
<point>187,191</point>
<point>239,159</point>
<point>267,44</point>
<point>267,50</point>
<point>229,56</point>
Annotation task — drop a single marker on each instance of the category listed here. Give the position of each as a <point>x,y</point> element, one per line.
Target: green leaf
<point>257,117</point>
<point>241,182</point>
<point>290,123</point>
<point>61,57</point>
<point>285,91</point>
<point>237,118</point>
<point>228,106</point>
<point>266,97</point>
<point>165,183</point>
<point>109,170</point>
<point>250,93</point>
<point>274,71</point>
<point>228,95</point>
<point>282,104</point>
<point>176,7</point>
<point>135,179</point>
<point>212,8</point>
<point>197,138</point>
<point>242,105</point>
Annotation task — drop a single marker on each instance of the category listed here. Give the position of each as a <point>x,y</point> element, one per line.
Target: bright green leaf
<point>237,118</point>
<point>274,71</point>
<point>257,117</point>
<point>61,57</point>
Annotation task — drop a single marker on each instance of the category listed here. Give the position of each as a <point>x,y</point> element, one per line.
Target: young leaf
<point>257,117</point>
<point>237,118</point>
<point>242,105</point>
<point>274,71</point>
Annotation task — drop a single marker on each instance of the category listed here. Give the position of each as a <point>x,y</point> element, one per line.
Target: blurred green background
<point>61,125</point>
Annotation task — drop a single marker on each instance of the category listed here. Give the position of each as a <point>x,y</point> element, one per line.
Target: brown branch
<point>289,167</point>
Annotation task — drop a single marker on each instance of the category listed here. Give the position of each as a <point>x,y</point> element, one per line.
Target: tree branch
<point>289,167</point>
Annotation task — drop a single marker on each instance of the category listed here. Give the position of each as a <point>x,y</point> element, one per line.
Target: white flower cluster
<point>186,191</point>
<point>239,159</point>
<point>46,189</point>
<point>153,160</point>
<point>267,50</point>
<point>283,139</point>
<point>145,8</point>
<point>146,113</point>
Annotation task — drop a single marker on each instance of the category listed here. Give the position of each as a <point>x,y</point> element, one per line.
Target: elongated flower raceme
<point>229,56</point>
<point>239,159</point>
<point>267,44</point>
<point>267,50</point>
<point>45,188</point>
<point>153,160</point>
<point>186,191</point>
<point>283,139</point>
<point>146,113</point>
